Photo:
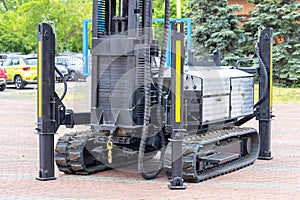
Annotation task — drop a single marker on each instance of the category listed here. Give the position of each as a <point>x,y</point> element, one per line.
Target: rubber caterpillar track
<point>192,145</point>
<point>73,154</point>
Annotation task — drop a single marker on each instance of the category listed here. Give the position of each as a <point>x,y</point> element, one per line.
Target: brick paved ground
<point>275,179</point>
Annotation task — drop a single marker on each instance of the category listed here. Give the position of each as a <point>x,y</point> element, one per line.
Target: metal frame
<point>85,39</point>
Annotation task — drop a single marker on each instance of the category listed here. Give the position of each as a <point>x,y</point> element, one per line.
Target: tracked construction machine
<point>190,116</point>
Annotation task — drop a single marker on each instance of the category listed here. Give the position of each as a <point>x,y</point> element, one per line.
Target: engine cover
<point>224,93</point>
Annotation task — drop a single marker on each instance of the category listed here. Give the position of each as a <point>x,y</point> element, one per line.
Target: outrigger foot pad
<point>177,184</point>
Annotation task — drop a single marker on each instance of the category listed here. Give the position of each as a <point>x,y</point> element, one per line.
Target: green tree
<point>283,16</point>
<point>18,24</point>
<point>159,12</point>
<point>159,8</point>
<point>8,5</point>
<point>216,28</point>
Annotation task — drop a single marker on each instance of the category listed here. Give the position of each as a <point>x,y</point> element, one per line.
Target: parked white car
<point>74,64</point>
<point>63,70</point>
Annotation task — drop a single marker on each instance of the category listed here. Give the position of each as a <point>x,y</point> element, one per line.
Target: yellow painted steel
<point>271,75</point>
<point>40,73</point>
<point>178,82</point>
<point>178,8</point>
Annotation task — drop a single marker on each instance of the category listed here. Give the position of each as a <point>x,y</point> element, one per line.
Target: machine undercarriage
<point>205,155</point>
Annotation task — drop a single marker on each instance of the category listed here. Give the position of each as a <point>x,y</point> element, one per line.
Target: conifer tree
<point>216,28</point>
<point>284,17</point>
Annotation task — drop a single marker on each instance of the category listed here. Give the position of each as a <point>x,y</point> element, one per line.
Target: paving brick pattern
<point>275,179</point>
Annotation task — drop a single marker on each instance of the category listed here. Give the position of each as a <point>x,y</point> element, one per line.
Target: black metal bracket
<point>58,110</point>
<point>71,119</point>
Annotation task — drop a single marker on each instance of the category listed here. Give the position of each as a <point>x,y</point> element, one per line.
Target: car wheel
<point>73,76</point>
<point>2,87</point>
<point>19,83</point>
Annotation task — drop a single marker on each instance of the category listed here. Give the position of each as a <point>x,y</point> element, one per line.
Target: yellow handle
<point>109,146</point>
<point>219,98</point>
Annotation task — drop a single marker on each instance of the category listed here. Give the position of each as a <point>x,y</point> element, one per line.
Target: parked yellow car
<point>21,70</point>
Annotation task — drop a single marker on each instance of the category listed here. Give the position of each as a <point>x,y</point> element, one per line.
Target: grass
<point>76,96</point>
<point>283,95</point>
<point>286,95</point>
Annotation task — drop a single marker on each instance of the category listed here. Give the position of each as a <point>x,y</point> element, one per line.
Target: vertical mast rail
<point>46,101</point>
<point>178,55</point>
<point>265,108</point>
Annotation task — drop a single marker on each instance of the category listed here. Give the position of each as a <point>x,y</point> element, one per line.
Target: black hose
<point>147,91</point>
<point>265,74</point>
<point>245,119</point>
<point>161,79</point>
<point>163,60</point>
<point>65,83</point>
<point>147,113</point>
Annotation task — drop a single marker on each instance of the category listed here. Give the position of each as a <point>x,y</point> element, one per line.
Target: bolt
<point>266,37</point>
<point>47,35</point>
